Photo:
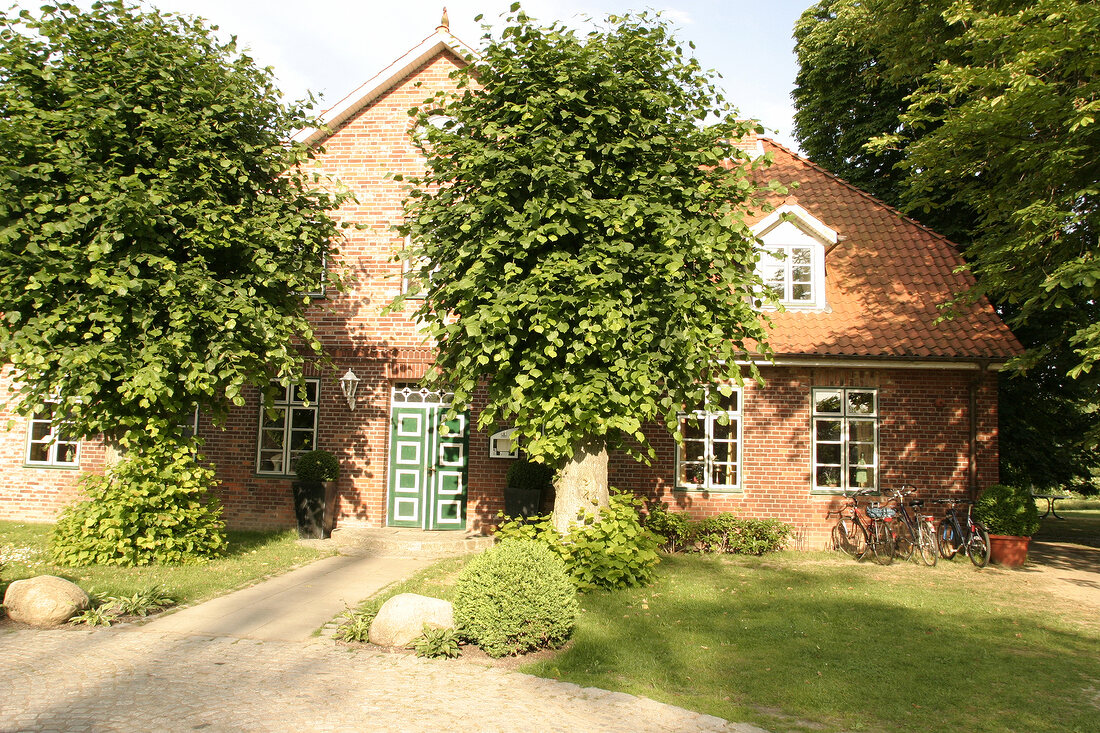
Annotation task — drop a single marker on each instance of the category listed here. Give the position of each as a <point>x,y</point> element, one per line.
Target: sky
<point>330,47</point>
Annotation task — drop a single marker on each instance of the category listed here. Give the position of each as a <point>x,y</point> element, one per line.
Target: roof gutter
<point>980,365</point>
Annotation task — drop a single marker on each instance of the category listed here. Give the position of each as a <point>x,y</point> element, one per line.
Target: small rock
<point>44,601</point>
<point>402,618</point>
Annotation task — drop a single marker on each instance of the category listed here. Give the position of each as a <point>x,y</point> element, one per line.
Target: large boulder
<point>44,601</point>
<point>402,618</point>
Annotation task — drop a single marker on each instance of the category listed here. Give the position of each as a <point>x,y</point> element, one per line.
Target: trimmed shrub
<point>1008,510</point>
<point>317,465</point>
<point>608,550</point>
<point>514,598</point>
<point>154,506</point>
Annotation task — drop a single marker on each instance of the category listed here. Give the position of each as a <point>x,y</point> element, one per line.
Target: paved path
<point>293,606</point>
<point>250,661</point>
<point>131,679</point>
<point>1068,570</point>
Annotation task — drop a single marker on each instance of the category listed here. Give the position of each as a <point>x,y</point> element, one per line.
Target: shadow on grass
<point>1078,527</point>
<point>242,541</point>
<point>797,646</point>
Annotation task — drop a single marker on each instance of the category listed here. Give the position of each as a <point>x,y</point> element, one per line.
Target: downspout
<point>972,462</point>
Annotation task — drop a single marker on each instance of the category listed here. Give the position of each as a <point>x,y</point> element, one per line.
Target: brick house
<point>867,389</point>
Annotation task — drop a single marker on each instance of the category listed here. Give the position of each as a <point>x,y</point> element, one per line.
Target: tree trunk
<point>581,485</point>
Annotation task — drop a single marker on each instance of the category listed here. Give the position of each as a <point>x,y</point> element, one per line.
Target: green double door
<point>427,475</point>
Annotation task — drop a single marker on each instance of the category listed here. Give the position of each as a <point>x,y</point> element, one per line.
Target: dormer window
<point>787,271</point>
<point>792,265</point>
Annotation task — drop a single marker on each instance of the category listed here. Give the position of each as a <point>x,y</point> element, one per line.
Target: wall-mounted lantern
<point>348,384</point>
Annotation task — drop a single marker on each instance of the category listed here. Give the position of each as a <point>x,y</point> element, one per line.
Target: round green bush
<point>514,598</point>
<point>317,465</point>
<point>153,506</point>
<point>1008,510</point>
<point>524,474</point>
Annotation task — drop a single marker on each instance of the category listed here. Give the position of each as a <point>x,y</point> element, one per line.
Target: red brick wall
<point>924,438</point>
<point>31,493</point>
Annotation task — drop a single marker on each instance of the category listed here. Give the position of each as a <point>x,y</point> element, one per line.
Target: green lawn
<point>818,642</point>
<point>252,556</point>
<point>1080,525</point>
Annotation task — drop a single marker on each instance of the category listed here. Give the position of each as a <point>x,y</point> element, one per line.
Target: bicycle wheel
<point>904,542</point>
<point>949,539</point>
<point>882,544</point>
<point>848,538</point>
<point>978,546</point>
<point>926,540</point>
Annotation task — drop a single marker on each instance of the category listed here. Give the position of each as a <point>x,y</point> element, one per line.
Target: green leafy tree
<point>579,239</point>
<point>158,233</point>
<point>982,116</point>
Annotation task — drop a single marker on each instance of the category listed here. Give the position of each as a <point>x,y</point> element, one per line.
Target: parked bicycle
<point>857,532</point>
<point>913,531</point>
<point>963,533</point>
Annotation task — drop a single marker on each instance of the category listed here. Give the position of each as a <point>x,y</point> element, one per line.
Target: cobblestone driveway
<point>122,679</point>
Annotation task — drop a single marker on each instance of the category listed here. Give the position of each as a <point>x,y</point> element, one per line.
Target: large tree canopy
<point>581,238</point>
<point>979,118</point>
<point>157,237</point>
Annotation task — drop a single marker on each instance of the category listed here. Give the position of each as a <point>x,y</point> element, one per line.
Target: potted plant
<point>1010,515</point>
<point>526,482</point>
<point>315,493</point>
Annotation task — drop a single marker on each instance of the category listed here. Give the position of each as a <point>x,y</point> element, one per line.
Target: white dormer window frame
<point>793,261</point>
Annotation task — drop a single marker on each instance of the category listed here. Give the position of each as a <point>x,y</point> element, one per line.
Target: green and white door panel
<point>428,461</point>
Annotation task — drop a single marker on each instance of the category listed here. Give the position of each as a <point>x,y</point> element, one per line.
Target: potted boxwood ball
<point>526,482</point>
<point>1010,515</point>
<point>315,493</point>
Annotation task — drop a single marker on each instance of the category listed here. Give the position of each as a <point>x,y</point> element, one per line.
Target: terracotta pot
<point>1008,550</point>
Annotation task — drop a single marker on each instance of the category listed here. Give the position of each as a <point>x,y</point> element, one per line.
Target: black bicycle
<point>963,533</point>
<point>857,531</point>
<point>913,531</point>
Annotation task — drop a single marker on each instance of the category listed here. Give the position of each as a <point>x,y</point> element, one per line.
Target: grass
<point>1081,526</point>
<point>818,642</point>
<point>252,556</point>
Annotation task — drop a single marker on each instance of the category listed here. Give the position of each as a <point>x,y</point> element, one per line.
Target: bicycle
<point>855,537</point>
<point>955,535</point>
<point>914,531</point>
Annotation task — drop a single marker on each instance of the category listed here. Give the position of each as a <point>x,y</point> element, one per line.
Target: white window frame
<point>280,460</point>
<point>709,420</point>
<point>791,227</point>
<point>784,257</point>
<point>850,475</point>
<point>50,441</point>
<point>189,425</point>
<point>408,264</point>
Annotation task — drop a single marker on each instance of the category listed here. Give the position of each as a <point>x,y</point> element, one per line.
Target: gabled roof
<point>383,81</point>
<point>886,279</point>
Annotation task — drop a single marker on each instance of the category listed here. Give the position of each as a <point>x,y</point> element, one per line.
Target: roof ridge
<point>862,193</point>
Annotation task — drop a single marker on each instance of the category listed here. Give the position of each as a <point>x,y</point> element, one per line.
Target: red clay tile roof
<point>884,281</point>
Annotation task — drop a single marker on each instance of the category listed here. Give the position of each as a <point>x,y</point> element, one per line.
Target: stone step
<point>404,543</point>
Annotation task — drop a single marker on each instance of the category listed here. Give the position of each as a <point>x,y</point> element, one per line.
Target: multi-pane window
<point>845,430</point>
<point>709,458</point>
<point>288,429</point>
<point>47,443</point>
<point>788,272</point>
<point>189,424</point>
